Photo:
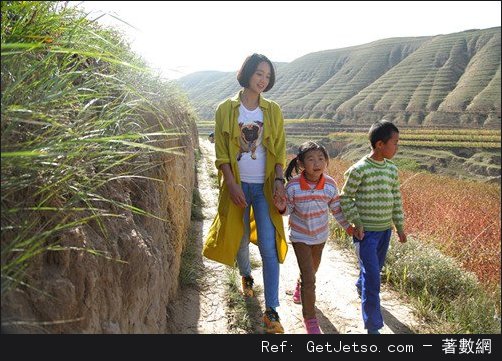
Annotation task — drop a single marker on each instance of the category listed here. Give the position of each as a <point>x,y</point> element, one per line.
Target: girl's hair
<point>249,67</point>
<point>300,156</point>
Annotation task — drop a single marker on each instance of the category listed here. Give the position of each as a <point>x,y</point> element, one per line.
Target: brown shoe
<point>247,286</point>
<point>271,322</point>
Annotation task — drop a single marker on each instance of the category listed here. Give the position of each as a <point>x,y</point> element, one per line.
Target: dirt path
<point>202,309</point>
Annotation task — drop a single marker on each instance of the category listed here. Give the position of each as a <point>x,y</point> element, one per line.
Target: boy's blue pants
<point>371,252</point>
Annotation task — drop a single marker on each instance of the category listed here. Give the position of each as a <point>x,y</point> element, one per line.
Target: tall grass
<point>461,217</point>
<point>443,291</point>
<point>79,111</point>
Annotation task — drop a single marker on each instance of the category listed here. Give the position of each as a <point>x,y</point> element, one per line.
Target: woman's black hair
<point>249,67</point>
<point>300,156</point>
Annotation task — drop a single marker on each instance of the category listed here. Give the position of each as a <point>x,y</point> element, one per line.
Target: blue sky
<point>180,37</point>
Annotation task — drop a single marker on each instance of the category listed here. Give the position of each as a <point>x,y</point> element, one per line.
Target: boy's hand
<point>280,203</point>
<point>402,237</point>
<point>359,233</point>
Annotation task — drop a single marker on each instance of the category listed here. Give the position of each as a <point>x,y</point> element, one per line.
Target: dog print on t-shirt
<point>251,136</point>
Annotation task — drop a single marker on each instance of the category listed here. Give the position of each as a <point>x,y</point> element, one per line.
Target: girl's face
<point>314,163</point>
<point>260,78</point>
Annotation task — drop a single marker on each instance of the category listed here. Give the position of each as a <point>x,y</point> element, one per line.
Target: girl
<point>310,196</point>
<point>250,155</point>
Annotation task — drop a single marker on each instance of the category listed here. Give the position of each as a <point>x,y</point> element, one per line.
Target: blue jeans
<point>371,252</point>
<point>255,198</point>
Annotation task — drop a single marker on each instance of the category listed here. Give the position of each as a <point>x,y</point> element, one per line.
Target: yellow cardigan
<point>227,229</point>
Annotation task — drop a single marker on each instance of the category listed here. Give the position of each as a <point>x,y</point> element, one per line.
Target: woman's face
<point>260,78</point>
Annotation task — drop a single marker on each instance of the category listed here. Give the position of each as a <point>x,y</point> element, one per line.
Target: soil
<point>202,309</point>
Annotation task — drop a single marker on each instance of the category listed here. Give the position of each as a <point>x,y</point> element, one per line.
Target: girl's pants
<point>309,258</point>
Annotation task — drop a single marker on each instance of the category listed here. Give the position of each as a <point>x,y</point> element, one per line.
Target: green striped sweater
<point>371,197</point>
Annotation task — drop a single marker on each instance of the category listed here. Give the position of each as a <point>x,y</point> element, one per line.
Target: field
<point>460,217</point>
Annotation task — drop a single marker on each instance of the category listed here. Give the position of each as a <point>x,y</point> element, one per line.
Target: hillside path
<point>203,309</point>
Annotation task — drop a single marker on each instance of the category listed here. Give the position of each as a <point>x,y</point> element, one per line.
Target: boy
<point>371,200</point>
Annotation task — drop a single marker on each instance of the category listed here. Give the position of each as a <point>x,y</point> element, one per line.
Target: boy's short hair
<point>249,67</point>
<point>381,130</point>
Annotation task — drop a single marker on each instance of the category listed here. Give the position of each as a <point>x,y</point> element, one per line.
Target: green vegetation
<point>440,132</point>
<point>197,202</point>
<point>192,270</point>
<point>407,164</point>
<point>197,206</point>
<point>443,144</point>
<point>204,123</point>
<point>461,153</point>
<point>80,112</point>
<point>306,121</point>
<point>440,136</point>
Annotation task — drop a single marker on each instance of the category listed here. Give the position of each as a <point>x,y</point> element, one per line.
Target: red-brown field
<point>461,217</point>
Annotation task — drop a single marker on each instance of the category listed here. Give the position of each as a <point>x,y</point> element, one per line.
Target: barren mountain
<point>445,80</point>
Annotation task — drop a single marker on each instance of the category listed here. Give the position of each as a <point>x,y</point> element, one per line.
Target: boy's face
<point>389,149</point>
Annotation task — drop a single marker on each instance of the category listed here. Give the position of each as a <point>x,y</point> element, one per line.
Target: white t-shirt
<point>252,154</point>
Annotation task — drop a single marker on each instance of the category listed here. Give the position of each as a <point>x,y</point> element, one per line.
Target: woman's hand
<point>279,190</point>
<point>280,203</point>
<point>237,195</point>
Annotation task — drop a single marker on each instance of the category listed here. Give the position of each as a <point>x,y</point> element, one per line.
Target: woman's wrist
<point>280,179</point>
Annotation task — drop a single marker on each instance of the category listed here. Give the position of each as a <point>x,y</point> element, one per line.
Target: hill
<point>445,80</point>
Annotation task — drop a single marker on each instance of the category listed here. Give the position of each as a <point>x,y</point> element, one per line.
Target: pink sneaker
<point>297,295</point>
<point>312,326</point>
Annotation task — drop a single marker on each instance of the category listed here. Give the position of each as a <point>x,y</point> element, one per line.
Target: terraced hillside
<point>448,80</point>
<point>460,153</point>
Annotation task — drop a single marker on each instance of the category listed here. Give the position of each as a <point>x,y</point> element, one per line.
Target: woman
<point>250,157</point>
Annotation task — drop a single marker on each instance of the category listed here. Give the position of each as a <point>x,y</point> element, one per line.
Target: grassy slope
<point>79,111</point>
